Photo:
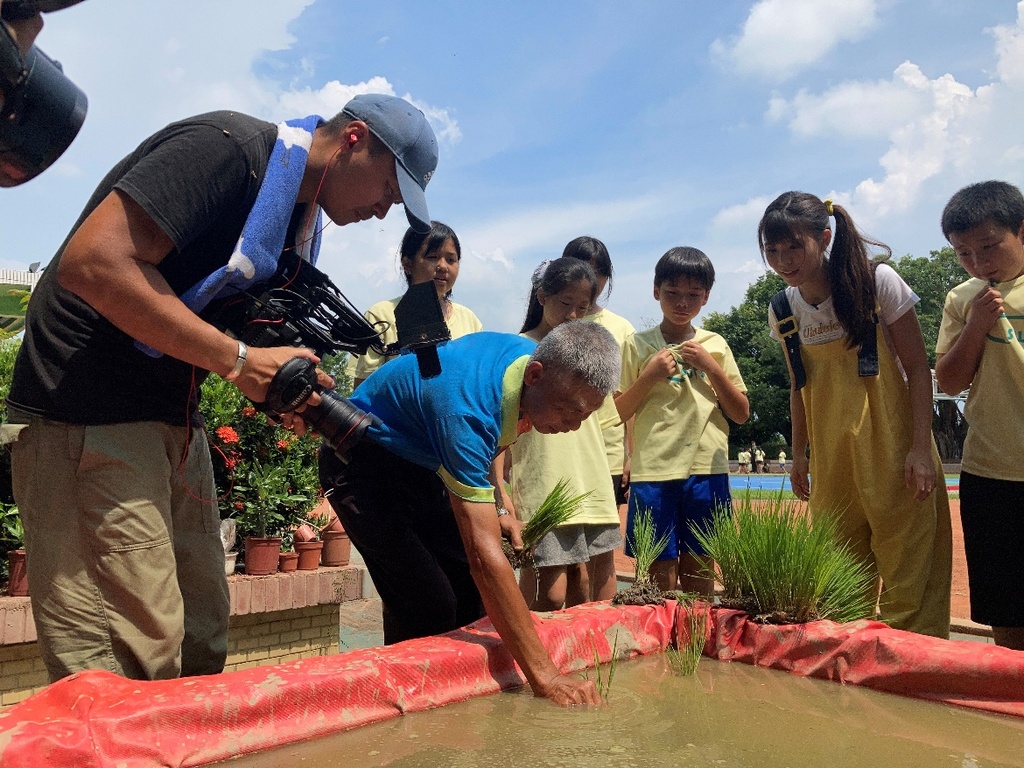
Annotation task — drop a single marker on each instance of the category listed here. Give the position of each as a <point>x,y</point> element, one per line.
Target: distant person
<point>111,473</point>
<point>758,459</point>
<point>682,383</point>
<point>979,346</point>
<point>434,256</point>
<point>872,457</point>
<point>743,461</point>
<point>574,563</point>
<point>618,438</point>
<point>417,497</point>
<point>782,461</point>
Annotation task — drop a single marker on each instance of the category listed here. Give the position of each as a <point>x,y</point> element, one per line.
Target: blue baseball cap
<point>406,133</point>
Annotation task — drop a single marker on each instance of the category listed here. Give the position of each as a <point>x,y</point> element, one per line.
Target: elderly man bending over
<point>417,500</point>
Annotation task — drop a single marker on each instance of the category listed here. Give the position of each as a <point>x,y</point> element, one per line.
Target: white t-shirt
<point>819,324</point>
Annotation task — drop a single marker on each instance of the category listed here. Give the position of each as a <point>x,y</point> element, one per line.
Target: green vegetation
<point>782,569</point>
<point>604,684</point>
<point>644,591</point>
<point>557,507</point>
<point>685,658</point>
<point>641,540</point>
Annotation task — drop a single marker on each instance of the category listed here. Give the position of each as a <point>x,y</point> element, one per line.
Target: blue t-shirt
<point>456,422</point>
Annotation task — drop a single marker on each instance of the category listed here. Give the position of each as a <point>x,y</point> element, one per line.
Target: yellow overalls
<point>860,432</point>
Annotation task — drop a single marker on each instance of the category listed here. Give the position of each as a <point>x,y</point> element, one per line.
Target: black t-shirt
<point>197,179</point>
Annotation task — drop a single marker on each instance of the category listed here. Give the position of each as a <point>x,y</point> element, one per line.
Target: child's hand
<point>798,478</point>
<point>919,473</point>
<point>986,308</point>
<point>696,356</point>
<point>662,365</point>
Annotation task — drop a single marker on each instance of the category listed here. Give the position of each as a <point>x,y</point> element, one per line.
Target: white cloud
<point>783,37</point>
<point>941,133</point>
<point>856,109</point>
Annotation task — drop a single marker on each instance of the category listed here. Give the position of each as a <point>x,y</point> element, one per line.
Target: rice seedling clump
<point>645,551</point>
<point>781,567</point>
<point>557,508</point>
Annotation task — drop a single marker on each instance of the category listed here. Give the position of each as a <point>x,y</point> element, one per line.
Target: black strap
<point>789,330</point>
<point>790,333</point>
<point>867,355</point>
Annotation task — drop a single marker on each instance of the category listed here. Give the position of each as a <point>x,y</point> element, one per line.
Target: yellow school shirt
<point>614,437</point>
<point>461,323</point>
<point>679,430</point>
<point>540,461</point>
<point>993,411</point>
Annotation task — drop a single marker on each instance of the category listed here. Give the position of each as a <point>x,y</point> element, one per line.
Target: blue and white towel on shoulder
<point>259,247</point>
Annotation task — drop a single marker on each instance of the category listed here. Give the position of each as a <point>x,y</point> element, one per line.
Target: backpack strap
<point>867,355</point>
<point>790,333</point>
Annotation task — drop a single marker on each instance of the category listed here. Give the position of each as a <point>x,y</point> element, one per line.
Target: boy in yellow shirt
<point>681,382</point>
<point>979,346</point>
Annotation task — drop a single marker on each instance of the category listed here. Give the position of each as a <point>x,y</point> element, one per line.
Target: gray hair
<point>582,349</point>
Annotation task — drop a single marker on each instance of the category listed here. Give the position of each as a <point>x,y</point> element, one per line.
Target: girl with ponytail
<point>861,404</point>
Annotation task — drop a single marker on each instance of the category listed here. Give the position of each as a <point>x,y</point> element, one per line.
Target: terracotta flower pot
<point>304,532</point>
<point>287,561</point>
<point>337,548</point>
<point>309,554</point>
<point>17,585</point>
<point>261,555</point>
<point>334,526</point>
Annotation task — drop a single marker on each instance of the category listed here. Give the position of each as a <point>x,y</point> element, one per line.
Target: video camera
<point>42,109</point>
<point>300,307</point>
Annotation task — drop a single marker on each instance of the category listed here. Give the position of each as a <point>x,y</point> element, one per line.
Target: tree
<point>932,278</point>
<point>761,363</point>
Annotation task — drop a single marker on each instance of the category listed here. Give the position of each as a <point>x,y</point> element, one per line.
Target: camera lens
<point>339,422</point>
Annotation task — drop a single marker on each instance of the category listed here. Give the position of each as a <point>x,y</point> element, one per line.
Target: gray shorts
<point>569,544</point>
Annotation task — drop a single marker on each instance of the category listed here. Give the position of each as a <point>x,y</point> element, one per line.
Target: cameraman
<point>111,472</point>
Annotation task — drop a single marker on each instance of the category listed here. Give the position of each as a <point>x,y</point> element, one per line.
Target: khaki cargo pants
<point>125,563</point>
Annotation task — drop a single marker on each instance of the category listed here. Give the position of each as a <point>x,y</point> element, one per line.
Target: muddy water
<point>730,715</point>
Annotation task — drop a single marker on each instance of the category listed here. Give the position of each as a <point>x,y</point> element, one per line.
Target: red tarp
<point>97,719</point>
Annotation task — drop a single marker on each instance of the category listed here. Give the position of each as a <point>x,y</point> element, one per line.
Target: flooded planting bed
<point>725,715</point>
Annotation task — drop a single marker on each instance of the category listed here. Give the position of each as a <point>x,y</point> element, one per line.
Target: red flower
<point>248,411</point>
<point>226,434</point>
<point>239,505</point>
<point>283,444</point>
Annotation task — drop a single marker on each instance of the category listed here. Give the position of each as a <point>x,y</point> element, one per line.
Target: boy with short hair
<point>979,346</point>
<point>682,382</point>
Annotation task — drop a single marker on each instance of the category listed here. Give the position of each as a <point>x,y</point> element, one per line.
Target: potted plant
<point>310,547</point>
<point>266,476</point>
<point>288,559</point>
<point>13,536</point>
<point>337,545</point>
<point>265,507</point>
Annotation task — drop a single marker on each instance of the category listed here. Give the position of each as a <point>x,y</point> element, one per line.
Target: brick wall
<point>274,619</point>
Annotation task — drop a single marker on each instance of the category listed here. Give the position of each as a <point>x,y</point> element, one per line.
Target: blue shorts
<point>674,504</point>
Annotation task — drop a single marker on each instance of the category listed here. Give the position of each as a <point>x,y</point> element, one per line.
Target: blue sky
<point>646,124</point>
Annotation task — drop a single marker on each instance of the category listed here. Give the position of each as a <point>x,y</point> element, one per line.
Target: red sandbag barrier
<point>97,719</point>
<point>871,654</point>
